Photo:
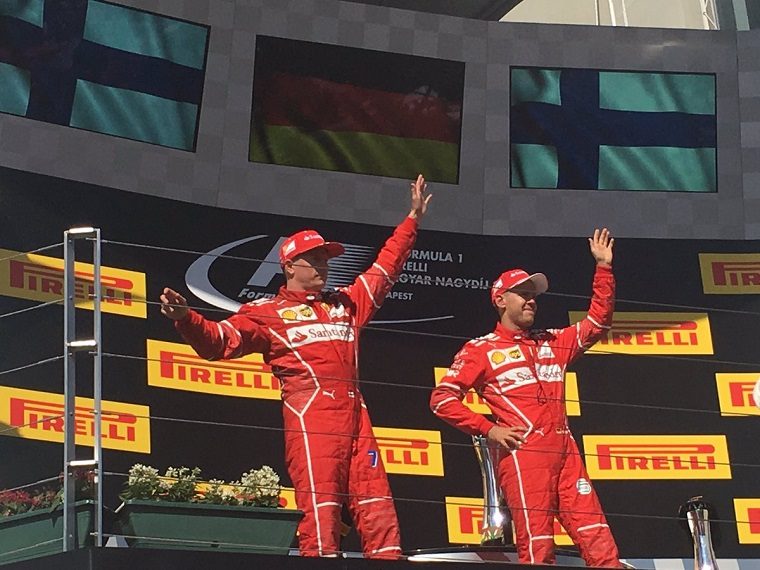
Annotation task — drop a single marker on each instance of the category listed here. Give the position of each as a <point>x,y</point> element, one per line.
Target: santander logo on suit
<point>319,332</point>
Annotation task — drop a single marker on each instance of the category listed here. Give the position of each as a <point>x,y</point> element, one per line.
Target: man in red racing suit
<point>520,374</point>
<point>310,339</point>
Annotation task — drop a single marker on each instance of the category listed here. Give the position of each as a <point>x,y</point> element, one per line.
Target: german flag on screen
<point>356,110</point>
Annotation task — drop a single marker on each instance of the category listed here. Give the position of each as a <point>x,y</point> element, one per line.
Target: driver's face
<point>519,304</point>
<point>310,269</point>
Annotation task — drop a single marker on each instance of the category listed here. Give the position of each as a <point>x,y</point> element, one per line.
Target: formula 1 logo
<point>343,270</point>
<point>262,253</point>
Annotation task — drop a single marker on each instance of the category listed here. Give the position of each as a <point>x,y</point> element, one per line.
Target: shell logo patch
<point>503,356</point>
<point>299,313</point>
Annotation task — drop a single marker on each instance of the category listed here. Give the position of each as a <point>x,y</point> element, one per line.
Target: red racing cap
<point>514,277</point>
<point>306,240</point>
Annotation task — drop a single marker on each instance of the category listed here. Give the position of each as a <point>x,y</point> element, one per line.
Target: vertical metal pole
<point>69,394</point>
<point>72,345</point>
<point>97,395</point>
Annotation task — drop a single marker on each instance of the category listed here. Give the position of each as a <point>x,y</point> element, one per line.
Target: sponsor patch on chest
<point>336,311</point>
<point>297,313</point>
<point>319,332</point>
<point>515,377</point>
<point>550,372</point>
<point>502,356</point>
<point>545,351</point>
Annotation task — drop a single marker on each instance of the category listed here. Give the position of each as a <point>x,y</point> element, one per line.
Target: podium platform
<point>155,559</point>
<point>489,554</point>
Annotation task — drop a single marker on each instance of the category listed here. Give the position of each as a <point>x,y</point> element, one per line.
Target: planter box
<point>194,526</point>
<point>39,533</point>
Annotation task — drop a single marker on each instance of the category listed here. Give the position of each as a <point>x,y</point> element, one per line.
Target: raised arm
<point>585,333</point>
<point>371,287</point>
<point>240,334</point>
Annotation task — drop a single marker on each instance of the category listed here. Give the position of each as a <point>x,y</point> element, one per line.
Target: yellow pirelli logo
<point>177,367</point>
<point>464,521</point>
<point>657,456</point>
<point>39,415</point>
<point>288,498</point>
<point>561,538</point>
<point>410,451</point>
<point>40,278</point>
<point>287,494</point>
<point>735,393</point>
<point>748,520</point>
<point>730,273</point>
<point>654,333</point>
<point>572,398</point>
<point>478,405</point>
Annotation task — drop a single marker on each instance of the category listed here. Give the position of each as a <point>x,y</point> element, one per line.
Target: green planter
<point>39,533</point>
<point>200,526</point>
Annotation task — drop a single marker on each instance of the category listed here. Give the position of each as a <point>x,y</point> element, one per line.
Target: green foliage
<point>180,484</point>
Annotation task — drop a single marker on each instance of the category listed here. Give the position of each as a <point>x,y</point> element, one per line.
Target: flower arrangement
<point>19,500</point>
<point>257,487</point>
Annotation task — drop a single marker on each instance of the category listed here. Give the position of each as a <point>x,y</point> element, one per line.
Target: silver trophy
<point>696,513</point>
<point>497,523</point>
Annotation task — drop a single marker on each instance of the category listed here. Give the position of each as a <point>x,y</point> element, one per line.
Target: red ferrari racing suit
<point>520,375</point>
<point>311,341</point>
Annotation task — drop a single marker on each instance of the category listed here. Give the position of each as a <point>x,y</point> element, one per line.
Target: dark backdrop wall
<point>691,355</point>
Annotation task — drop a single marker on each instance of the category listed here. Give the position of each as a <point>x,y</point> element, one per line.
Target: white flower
<point>261,486</point>
<point>142,474</point>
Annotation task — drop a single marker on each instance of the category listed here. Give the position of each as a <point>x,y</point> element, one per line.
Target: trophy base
<point>492,554</point>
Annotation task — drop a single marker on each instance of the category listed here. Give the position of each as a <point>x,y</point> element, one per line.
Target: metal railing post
<point>73,345</point>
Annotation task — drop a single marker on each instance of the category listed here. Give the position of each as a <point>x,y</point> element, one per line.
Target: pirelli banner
<point>661,405</point>
<point>40,278</point>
